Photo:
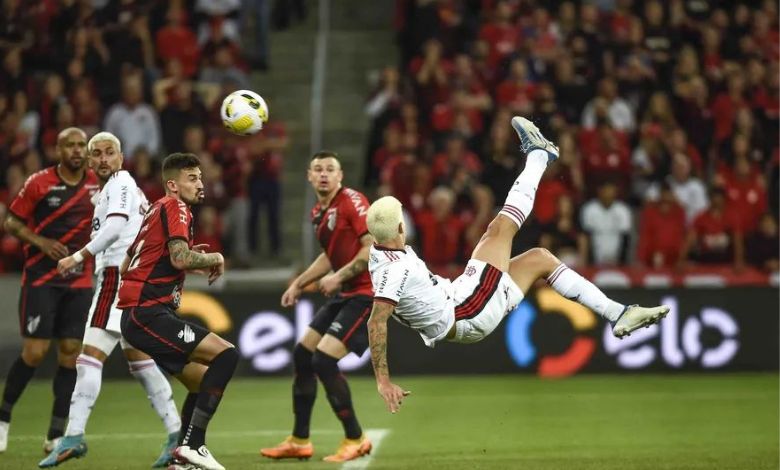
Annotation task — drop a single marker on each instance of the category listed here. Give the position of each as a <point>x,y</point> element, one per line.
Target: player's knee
<point>302,360</point>
<point>500,226</point>
<point>324,365</point>
<point>33,355</point>
<point>544,261</point>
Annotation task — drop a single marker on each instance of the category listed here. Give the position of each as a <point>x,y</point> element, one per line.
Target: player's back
<point>339,228</point>
<point>53,209</point>
<point>120,197</point>
<point>422,300</point>
<point>151,278</point>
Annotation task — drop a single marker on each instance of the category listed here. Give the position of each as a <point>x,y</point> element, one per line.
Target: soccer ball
<point>244,112</point>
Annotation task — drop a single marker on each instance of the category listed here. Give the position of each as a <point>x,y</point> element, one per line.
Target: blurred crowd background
<point>666,115</point>
<point>154,73</point>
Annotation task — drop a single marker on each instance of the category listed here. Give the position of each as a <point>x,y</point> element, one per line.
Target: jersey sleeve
<point>121,191</point>
<point>24,203</point>
<point>176,220</point>
<point>357,214</point>
<point>390,283</point>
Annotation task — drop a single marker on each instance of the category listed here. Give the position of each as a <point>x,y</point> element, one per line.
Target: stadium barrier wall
<point>707,330</point>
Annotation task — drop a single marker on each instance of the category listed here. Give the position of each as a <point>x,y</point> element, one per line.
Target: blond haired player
<point>470,307</point>
<point>119,210</point>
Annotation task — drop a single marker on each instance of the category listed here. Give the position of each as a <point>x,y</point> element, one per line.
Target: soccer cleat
<point>350,449</point>
<point>532,139</point>
<point>50,444</point>
<point>200,457</point>
<point>182,466</point>
<point>4,436</point>
<point>635,317</point>
<point>67,447</point>
<point>290,448</point>
<point>166,456</point>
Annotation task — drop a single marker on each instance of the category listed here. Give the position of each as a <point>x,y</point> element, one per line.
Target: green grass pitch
<point>491,422</point>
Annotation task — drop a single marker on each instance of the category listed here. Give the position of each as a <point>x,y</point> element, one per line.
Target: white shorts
<point>103,325</point>
<point>483,296</point>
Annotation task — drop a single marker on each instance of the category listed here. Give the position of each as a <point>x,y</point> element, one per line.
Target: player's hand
<point>53,249</point>
<point>217,270</point>
<point>393,395</point>
<point>66,264</point>
<point>290,296</point>
<point>330,284</point>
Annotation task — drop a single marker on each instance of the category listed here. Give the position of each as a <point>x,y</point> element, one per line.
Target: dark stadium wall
<point>707,330</point>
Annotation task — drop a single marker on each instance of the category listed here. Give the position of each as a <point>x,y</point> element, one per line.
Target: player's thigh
<point>310,339</point>
<point>103,312</point>
<point>323,319</point>
<point>210,347</point>
<point>191,376</point>
<point>348,331</point>
<point>531,265</point>
<point>99,343</point>
<point>72,313</point>
<point>495,246</point>
<point>160,333</point>
<point>38,308</point>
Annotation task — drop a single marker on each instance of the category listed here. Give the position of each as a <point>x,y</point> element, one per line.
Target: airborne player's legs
<point>495,246</point>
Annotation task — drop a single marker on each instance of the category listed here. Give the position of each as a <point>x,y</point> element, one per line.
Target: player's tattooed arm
<point>391,393</point>
<point>49,246</point>
<point>185,259</point>
<point>377,339</point>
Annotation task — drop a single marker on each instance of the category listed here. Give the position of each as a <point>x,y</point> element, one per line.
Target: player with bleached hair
<point>470,307</point>
<point>119,210</point>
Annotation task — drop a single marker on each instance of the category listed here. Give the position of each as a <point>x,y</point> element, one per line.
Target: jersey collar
<point>385,248</point>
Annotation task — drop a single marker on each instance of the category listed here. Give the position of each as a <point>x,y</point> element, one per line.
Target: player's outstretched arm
<point>182,257</point>
<point>318,268</point>
<point>392,394</point>
<point>104,238</point>
<point>331,283</point>
<point>50,247</point>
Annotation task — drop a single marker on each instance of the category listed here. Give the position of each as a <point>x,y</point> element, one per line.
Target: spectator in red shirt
<point>763,247</point>
<point>431,76</point>
<point>725,106</point>
<point>501,34</point>
<point>715,237</point>
<point>746,194</point>
<point>662,231</point>
<point>177,41</point>
<point>455,162</point>
<point>517,92</point>
<point>440,232</point>
<point>605,156</point>
<point>209,229</point>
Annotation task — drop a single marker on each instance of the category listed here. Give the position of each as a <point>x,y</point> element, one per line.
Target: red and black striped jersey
<point>150,277</point>
<point>53,209</point>
<point>338,228</point>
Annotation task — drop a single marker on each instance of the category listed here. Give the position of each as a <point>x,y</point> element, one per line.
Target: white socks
<point>159,392</point>
<point>520,199</point>
<point>575,287</point>
<point>89,374</point>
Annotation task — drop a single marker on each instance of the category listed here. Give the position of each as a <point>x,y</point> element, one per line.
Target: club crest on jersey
<point>471,270</point>
<point>332,219</point>
<point>32,324</point>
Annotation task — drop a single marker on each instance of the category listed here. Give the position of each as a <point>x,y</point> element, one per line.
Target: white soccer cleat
<point>200,457</point>
<point>182,466</point>
<point>532,139</point>
<point>4,436</point>
<point>635,317</point>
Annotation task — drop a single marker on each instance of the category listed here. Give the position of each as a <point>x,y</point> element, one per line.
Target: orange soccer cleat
<point>350,449</point>
<point>290,448</point>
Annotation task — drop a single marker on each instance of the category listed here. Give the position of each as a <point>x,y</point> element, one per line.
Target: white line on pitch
<point>145,435</point>
<point>376,436</point>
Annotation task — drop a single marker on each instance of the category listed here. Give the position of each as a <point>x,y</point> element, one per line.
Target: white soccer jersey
<point>422,300</point>
<point>122,197</point>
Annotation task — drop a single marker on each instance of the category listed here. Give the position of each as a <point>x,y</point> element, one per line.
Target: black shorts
<point>162,334</point>
<point>345,318</point>
<point>47,312</point>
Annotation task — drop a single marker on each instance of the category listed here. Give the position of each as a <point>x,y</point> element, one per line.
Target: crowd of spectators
<point>153,72</point>
<point>665,112</point>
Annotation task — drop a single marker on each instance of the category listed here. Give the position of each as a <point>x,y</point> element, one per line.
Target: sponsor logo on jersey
<point>58,187</point>
<point>403,283</point>
<point>54,201</point>
<point>186,334</point>
<point>32,323</point>
<point>357,201</point>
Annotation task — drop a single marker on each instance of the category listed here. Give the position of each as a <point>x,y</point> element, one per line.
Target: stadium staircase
<point>359,40</point>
